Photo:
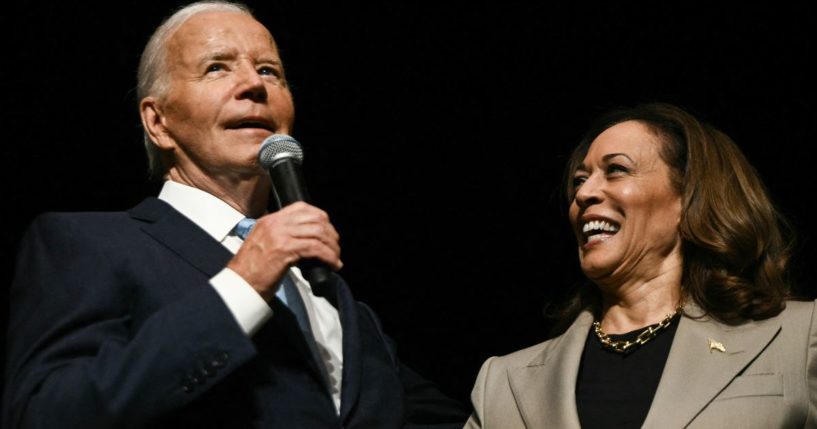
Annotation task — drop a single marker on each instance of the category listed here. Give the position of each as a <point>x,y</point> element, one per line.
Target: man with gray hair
<point>189,310</point>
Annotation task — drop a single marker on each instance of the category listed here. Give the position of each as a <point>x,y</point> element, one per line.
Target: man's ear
<point>153,120</point>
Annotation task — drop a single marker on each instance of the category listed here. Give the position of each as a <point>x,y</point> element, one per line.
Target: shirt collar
<point>211,214</point>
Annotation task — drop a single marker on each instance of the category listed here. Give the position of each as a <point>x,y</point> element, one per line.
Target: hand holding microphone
<point>281,155</point>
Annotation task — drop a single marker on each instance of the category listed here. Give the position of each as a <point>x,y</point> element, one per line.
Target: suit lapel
<point>286,322</point>
<point>350,385</point>
<point>181,236</point>
<point>695,373</point>
<point>545,389</point>
<point>199,249</point>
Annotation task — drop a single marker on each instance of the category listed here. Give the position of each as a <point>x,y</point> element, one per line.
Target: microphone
<point>281,155</point>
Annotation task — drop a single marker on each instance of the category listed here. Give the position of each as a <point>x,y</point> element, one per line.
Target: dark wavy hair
<point>735,243</point>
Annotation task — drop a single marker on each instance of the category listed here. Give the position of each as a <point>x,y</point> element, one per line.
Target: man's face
<point>227,92</point>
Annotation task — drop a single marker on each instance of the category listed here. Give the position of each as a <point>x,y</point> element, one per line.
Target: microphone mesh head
<point>279,147</point>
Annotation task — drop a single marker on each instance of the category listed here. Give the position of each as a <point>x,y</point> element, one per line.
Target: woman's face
<point>625,213</point>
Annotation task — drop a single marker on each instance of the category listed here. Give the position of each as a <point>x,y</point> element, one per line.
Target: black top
<point>615,390</point>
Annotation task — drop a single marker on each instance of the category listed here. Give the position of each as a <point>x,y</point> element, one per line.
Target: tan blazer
<point>766,378</point>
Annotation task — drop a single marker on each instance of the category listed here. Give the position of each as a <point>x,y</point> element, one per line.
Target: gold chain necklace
<point>624,346</point>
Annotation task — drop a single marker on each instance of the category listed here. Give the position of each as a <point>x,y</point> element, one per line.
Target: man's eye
<point>268,71</point>
<point>215,68</point>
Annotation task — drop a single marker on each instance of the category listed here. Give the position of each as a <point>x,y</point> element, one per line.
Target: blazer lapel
<point>285,322</point>
<point>347,310</point>
<point>695,372</point>
<point>181,235</point>
<point>545,389</point>
<point>199,249</point>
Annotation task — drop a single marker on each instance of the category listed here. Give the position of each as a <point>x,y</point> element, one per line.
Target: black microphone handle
<point>288,186</point>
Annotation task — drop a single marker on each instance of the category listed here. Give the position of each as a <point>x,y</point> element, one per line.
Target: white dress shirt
<point>218,219</point>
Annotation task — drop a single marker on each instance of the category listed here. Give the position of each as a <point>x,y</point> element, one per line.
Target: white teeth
<point>599,225</point>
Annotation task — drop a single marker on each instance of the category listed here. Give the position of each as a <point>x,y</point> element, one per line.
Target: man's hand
<point>281,239</point>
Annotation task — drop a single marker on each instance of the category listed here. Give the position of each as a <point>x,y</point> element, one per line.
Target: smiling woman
<point>620,188</point>
<point>734,245</point>
<point>687,260</point>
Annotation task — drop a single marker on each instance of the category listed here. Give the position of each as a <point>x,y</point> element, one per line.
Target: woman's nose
<point>590,191</point>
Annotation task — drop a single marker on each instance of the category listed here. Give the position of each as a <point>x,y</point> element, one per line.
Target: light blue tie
<point>244,227</point>
<point>288,292</point>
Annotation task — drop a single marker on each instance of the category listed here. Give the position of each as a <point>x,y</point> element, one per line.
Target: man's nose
<point>251,85</point>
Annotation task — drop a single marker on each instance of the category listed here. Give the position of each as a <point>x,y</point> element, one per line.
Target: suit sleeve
<point>426,406</point>
<point>75,355</point>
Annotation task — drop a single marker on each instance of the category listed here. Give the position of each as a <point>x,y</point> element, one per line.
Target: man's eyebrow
<point>269,60</point>
<point>227,56</point>
<point>216,56</point>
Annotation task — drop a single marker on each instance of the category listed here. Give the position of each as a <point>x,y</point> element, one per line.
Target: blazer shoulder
<point>68,219</point>
<point>799,314</point>
<point>539,353</point>
<point>522,357</point>
<point>799,308</point>
<point>90,222</point>
<point>74,233</point>
<point>80,226</point>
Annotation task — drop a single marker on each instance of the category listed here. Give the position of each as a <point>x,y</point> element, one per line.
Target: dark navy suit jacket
<point>114,324</point>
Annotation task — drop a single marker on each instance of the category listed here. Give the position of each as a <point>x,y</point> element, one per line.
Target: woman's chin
<point>597,270</point>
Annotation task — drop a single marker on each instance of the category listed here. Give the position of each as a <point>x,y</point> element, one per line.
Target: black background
<point>435,136</point>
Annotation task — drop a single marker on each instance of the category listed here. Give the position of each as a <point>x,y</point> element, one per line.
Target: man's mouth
<point>251,124</point>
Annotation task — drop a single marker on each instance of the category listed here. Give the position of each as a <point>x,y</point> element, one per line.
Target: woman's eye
<point>616,168</point>
<point>578,180</point>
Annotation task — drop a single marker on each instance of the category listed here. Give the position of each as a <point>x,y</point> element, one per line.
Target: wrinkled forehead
<point>220,31</point>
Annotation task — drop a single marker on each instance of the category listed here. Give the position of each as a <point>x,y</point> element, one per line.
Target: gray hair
<point>152,79</point>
